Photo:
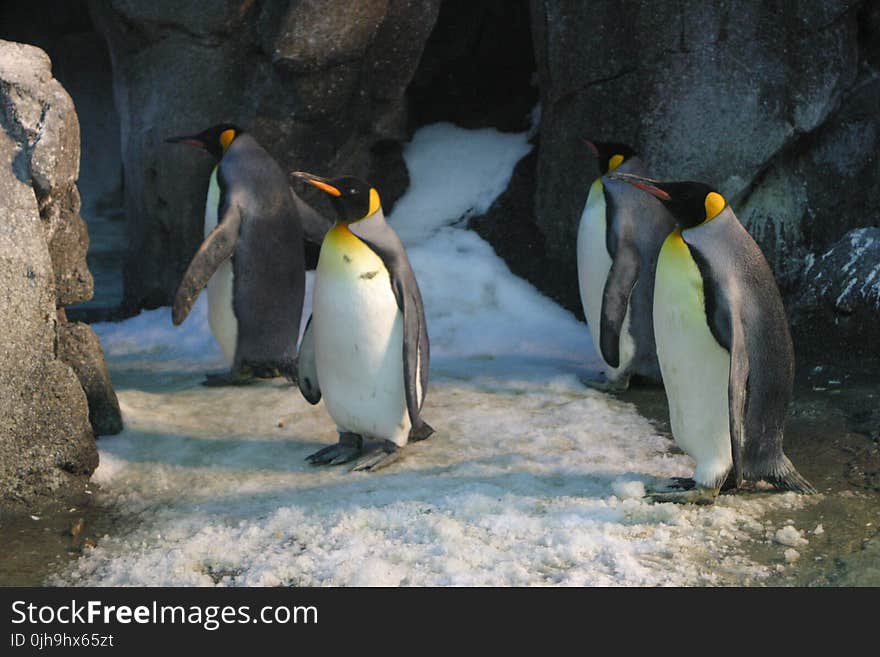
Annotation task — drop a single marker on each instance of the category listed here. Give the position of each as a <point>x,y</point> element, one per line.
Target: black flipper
<point>621,279</point>
<point>737,396</point>
<point>307,370</point>
<point>214,251</point>
<point>314,224</point>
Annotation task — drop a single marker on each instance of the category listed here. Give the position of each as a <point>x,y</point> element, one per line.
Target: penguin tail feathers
<point>420,431</point>
<point>785,477</point>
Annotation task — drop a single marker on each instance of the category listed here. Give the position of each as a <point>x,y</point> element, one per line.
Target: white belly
<point>358,332</point>
<point>221,315</point>
<point>695,367</point>
<point>594,263</point>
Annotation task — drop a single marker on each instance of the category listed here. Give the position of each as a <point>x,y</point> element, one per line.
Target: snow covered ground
<point>531,478</point>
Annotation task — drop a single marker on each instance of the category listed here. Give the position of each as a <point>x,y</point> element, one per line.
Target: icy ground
<point>530,479</point>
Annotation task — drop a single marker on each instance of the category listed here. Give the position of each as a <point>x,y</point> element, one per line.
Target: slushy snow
<point>530,479</point>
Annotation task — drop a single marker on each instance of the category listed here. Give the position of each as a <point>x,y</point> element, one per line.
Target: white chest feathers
<point>359,340</point>
<point>221,314</point>
<point>594,263</point>
<point>695,368</point>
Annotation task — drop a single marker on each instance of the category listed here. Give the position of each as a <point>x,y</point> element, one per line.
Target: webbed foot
<point>380,456</point>
<point>684,491</point>
<point>350,445</point>
<point>606,385</point>
<point>233,378</point>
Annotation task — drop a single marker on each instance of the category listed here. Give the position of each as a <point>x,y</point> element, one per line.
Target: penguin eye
<point>352,191</point>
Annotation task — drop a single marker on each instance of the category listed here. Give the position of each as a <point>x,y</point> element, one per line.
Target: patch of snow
<point>531,478</point>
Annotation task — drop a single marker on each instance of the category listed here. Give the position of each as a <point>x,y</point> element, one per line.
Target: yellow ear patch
<point>375,203</point>
<point>614,162</point>
<point>714,203</point>
<point>226,138</point>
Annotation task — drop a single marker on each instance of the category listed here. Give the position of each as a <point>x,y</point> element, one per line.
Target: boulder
<point>47,445</point>
<point>841,293</point>
<point>705,91</point>
<point>79,347</point>
<point>319,83</point>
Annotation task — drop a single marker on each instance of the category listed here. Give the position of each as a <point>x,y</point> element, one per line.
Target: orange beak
<point>317,181</point>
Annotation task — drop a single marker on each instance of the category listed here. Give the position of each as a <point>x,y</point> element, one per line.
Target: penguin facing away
<point>724,346</point>
<point>251,260</point>
<point>619,238</point>
<point>365,349</point>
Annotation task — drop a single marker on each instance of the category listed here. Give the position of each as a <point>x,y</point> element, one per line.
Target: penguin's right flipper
<point>307,368</point>
<point>217,248</point>
<point>619,285</point>
<point>314,224</point>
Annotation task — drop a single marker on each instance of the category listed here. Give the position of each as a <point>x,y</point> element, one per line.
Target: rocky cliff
<point>46,438</point>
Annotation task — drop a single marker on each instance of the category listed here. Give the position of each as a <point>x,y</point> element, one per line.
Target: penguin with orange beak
<point>723,344</point>
<point>365,350</point>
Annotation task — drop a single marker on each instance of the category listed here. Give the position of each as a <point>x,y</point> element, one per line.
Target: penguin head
<point>691,203</point>
<point>215,139</point>
<point>610,154</point>
<point>352,198</point>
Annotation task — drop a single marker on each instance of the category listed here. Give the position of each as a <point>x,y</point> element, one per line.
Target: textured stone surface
<point>320,84</point>
<point>79,347</point>
<point>46,441</point>
<point>841,290</point>
<point>774,103</point>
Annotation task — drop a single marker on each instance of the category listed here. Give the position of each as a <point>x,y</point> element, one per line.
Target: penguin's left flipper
<point>217,248</point>
<point>307,368</point>
<point>619,285</point>
<point>383,455</point>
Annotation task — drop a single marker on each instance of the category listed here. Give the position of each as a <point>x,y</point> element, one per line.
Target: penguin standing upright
<point>365,349</point>
<point>724,346</point>
<point>619,237</point>
<point>252,258</point>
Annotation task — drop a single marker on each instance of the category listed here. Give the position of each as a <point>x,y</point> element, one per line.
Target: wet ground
<point>833,437</point>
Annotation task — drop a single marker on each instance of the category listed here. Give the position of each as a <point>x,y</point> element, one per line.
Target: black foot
<point>350,445</point>
<point>381,456</point>
<point>228,379</point>
<point>604,385</point>
<point>681,490</point>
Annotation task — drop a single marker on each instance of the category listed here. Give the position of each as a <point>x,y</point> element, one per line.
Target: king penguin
<point>724,346</point>
<point>365,349</point>
<point>619,238</point>
<point>252,258</point>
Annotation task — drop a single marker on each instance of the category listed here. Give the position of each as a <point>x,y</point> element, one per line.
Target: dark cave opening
<point>81,63</point>
<point>478,67</point>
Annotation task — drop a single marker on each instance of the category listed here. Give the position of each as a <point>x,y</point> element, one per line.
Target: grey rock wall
<point>46,440</point>
<point>774,102</point>
<point>319,83</point>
